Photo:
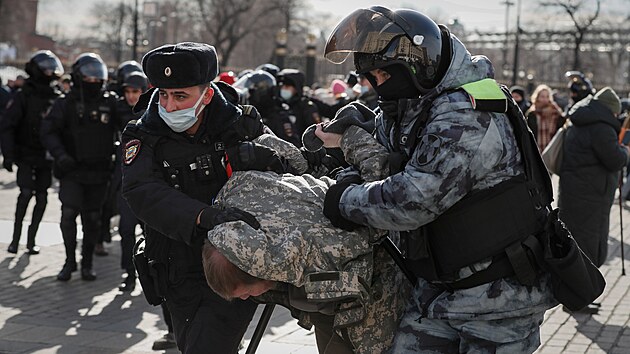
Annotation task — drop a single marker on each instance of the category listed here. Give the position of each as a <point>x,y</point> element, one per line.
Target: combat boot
<point>66,271</point>
<point>88,274</point>
<point>129,284</point>
<point>30,243</point>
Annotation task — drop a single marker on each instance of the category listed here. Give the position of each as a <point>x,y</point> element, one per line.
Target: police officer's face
<point>245,291</point>
<point>182,98</point>
<point>380,76</point>
<point>132,95</point>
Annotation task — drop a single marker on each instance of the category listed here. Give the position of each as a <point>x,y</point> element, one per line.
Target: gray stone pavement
<point>41,315</point>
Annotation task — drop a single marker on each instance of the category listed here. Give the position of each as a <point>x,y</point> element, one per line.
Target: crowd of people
<point>393,210</point>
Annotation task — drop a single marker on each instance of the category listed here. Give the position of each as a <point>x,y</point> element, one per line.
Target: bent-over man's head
<point>227,280</point>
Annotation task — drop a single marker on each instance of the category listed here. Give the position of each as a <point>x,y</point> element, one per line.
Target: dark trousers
<point>127,231</point>
<point>33,180</point>
<point>85,200</point>
<point>216,327</point>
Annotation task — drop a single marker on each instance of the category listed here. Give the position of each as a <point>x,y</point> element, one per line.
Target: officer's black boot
<point>20,211</point>
<point>91,228</point>
<point>66,272</point>
<point>69,232</point>
<point>129,284</point>
<point>38,214</point>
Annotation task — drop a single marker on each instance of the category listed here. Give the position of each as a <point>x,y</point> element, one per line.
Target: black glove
<point>8,164</point>
<point>213,216</point>
<point>354,113</point>
<point>315,159</point>
<point>249,125</point>
<point>331,204</point>
<point>66,163</point>
<point>248,156</point>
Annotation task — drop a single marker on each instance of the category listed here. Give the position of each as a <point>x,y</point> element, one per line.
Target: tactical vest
<point>92,130</point>
<point>487,224</point>
<point>34,106</point>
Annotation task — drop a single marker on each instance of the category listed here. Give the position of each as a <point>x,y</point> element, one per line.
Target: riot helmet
<point>136,79</point>
<point>125,68</point>
<point>381,38</point>
<point>258,88</point>
<point>44,66</point>
<point>270,68</point>
<point>579,85</point>
<point>88,66</point>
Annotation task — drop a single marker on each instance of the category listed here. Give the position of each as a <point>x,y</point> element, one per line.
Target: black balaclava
<point>399,85</point>
<point>91,90</point>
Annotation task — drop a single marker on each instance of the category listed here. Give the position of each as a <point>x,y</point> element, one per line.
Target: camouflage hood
<point>464,68</point>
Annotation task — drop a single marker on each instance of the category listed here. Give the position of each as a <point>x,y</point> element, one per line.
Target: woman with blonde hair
<point>544,117</point>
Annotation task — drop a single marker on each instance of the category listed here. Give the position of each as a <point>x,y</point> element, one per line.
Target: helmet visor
<point>50,66</point>
<point>94,70</point>
<point>365,31</point>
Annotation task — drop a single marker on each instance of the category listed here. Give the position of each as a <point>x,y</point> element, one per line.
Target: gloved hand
<point>315,159</point>
<point>213,216</point>
<point>66,163</point>
<point>249,125</point>
<point>353,113</point>
<point>251,156</point>
<point>8,164</point>
<point>331,204</point>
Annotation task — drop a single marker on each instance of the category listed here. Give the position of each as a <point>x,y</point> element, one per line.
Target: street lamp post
<point>516,42</point>
<point>134,55</point>
<point>507,4</point>
<point>281,47</point>
<point>311,51</point>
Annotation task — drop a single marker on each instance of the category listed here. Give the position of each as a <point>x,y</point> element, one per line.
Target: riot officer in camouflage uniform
<point>79,131</point>
<point>21,144</point>
<point>175,159</point>
<point>457,178</point>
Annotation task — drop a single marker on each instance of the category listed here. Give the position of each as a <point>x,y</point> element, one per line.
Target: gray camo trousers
<point>510,335</point>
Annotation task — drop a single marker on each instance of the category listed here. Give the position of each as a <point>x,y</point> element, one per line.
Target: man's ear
<point>207,97</point>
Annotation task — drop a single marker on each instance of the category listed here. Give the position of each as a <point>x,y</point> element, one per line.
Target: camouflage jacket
<point>459,151</point>
<point>296,244</point>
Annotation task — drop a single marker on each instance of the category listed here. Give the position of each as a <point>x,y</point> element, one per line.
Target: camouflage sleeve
<point>285,149</point>
<point>362,150</point>
<point>459,151</point>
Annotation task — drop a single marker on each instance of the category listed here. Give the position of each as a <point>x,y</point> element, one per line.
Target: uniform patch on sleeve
<point>430,146</point>
<point>132,148</point>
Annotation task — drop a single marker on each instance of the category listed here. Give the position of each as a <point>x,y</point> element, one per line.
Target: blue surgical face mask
<point>286,94</point>
<point>181,120</point>
<point>364,89</point>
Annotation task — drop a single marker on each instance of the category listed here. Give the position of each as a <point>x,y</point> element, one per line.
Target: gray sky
<point>71,17</point>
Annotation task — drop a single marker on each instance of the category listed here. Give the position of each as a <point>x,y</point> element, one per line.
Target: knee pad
<point>68,214</point>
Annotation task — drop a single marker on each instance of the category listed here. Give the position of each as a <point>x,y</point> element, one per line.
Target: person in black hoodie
<point>21,144</point>
<point>592,159</point>
<point>175,160</point>
<point>291,86</point>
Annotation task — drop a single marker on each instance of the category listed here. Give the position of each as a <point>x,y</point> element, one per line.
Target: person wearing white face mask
<point>290,84</point>
<point>175,160</point>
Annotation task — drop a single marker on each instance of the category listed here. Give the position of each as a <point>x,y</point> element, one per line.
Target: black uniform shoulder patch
<point>430,146</point>
<point>132,148</point>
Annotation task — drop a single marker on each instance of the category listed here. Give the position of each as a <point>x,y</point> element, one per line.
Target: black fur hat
<point>181,65</point>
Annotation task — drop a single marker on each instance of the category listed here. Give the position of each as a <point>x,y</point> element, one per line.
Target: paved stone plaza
<point>39,314</point>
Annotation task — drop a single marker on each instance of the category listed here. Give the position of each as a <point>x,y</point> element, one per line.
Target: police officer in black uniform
<point>79,132</point>
<point>290,89</point>
<point>133,85</point>
<point>258,89</point>
<point>175,160</point>
<point>21,144</point>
